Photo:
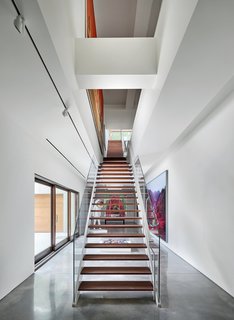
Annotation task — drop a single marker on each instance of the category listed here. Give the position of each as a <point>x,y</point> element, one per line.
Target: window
<point>42,225</point>
<point>61,215</point>
<point>74,205</point>
<point>55,211</point>
<point>120,134</point>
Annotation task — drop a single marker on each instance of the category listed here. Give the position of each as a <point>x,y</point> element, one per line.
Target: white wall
<point>116,56</point>
<point>115,63</point>
<point>201,193</point>
<point>119,119</point>
<point>65,22</point>
<point>174,18</point>
<point>21,158</point>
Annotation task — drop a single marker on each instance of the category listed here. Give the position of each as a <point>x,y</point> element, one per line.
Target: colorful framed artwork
<point>157,214</point>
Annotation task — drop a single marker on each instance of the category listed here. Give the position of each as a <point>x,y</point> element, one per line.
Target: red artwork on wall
<point>157,214</point>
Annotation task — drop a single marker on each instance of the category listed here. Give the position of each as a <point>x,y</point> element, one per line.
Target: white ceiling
<point>114,98</point>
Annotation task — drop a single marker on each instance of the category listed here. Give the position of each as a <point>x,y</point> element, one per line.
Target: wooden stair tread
<point>116,245</point>
<point>114,188</point>
<point>115,235</point>
<point>109,164</point>
<point>114,160</point>
<point>115,174</point>
<point>110,226</point>
<point>115,185</point>
<point>110,178</point>
<point>111,257</point>
<point>117,170</point>
<point>115,286</point>
<point>116,192</point>
<point>116,218</point>
<point>125,203</point>
<point>114,182</point>
<point>108,195</point>
<point>110,158</point>
<point>106,185</point>
<point>115,270</point>
<point>124,210</point>
<point>114,164</point>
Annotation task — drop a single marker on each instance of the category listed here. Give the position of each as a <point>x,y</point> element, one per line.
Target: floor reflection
<point>185,294</point>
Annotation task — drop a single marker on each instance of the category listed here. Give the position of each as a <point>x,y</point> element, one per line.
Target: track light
<point>19,23</point>
<point>65,112</point>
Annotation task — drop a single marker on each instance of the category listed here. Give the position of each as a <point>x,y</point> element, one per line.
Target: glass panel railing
<point>149,209</point>
<point>150,219</point>
<point>80,226</point>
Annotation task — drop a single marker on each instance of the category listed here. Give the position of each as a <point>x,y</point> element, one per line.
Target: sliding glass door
<point>61,216</point>
<point>43,221</point>
<point>55,212</point>
<point>74,207</point>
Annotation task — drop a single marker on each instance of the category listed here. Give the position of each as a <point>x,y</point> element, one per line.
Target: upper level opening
<point>131,18</point>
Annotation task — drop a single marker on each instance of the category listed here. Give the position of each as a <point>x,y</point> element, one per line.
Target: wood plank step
<point>111,226</point>
<point>115,270</point>
<point>125,187</point>
<point>114,162</point>
<point>115,235</point>
<point>114,170</point>
<point>116,245</point>
<point>116,286</point>
<point>114,159</point>
<point>108,178</point>
<point>126,164</point>
<point>114,187</point>
<point>115,166</point>
<point>126,203</point>
<point>104,210</point>
<point>115,257</point>
<point>115,174</point>
<point>109,182</point>
<point>116,192</point>
<point>115,218</point>
<point>108,196</point>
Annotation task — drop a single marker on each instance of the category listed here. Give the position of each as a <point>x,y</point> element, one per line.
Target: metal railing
<point>153,243</point>
<point>81,227</point>
<point>155,251</point>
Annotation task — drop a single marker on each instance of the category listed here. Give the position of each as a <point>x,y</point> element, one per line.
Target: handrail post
<point>159,273</point>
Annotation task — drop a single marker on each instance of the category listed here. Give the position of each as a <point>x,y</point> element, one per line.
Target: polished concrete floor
<point>186,295</point>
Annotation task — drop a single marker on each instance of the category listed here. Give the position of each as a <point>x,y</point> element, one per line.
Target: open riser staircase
<point>116,254</point>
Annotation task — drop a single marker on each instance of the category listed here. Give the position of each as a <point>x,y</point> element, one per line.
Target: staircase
<point>116,248</point>
<point>114,149</point>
